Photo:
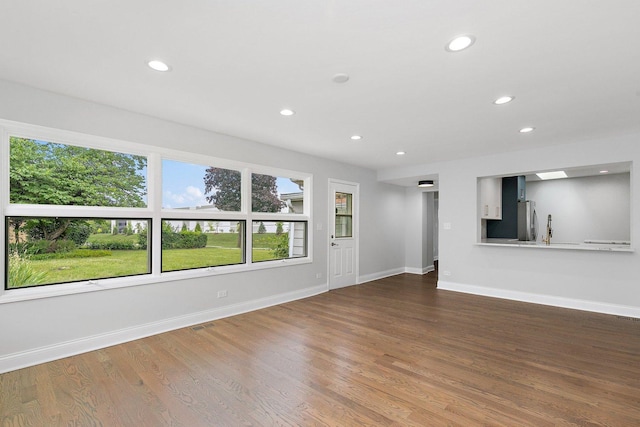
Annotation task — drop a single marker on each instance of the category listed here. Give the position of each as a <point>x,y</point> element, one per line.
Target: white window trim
<point>153,211</point>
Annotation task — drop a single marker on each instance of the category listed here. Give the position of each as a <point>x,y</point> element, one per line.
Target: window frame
<point>208,267</point>
<point>5,226</point>
<point>306,238</point>
<point>153,211</point>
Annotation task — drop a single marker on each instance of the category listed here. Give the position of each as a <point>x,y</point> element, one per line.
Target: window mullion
<point>154,171</point>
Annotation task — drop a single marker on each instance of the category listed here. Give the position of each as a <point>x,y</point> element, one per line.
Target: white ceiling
<point>573,66</point>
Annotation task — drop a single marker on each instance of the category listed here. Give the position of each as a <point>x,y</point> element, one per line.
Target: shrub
<point>113,245</point>
<point>78,232</point>
<point>281,249</point>
<point>78,253</point>
<point>21,272</point>
<point>42,246</point>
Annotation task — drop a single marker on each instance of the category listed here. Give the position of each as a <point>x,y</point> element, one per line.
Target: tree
<point>261,228</point>
<point>58,174</point>
<point>225,186</point>
<point>264,194</point>
<point>279,229</point>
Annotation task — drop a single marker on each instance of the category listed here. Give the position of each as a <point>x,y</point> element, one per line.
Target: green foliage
<point>37,247</point>
<point>197,228</point>
<point>281,249</point>
<point>225,184</point>
<point>114,245</point>
<point>264,194</point>
<point>184,240</point>
<point>279,229</point>
<point>99,226</point>
<point>176,240</point>
<point>78,253</point>
<point>22,273</point>
<point>184,227</point>
<point>261,228</point>
<point>78,232</point>
<point>57,174</point>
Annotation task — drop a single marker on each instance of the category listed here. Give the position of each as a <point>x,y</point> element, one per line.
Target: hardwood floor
<point>394,352</point>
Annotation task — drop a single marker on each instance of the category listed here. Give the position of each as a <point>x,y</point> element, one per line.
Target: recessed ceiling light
<point>287,112</point>
<point>504,100</point>
<point>552,175</point>
<point>356,137</point>
<point>604,171</point>
<point>460,43</point>
<point>340,78</point>
<point>400,153</point>
<point>527,129</point>
<point>425,183</point>
<point>158,65</point>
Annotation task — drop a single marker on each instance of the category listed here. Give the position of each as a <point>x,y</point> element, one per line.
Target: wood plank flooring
<point>394,352</point>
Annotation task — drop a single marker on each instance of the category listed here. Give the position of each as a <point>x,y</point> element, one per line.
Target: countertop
<point>590,245</point>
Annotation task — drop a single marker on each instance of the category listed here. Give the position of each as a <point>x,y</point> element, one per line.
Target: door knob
<point>334,244</point>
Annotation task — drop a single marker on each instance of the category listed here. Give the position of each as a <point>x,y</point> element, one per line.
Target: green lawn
<point>221,250</point>
<point>128,263</point>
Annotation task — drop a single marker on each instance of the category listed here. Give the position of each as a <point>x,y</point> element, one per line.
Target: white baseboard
<point>421,271</point>
<point>36,356</point>
<point>576,304</point>
<point>379,275</point>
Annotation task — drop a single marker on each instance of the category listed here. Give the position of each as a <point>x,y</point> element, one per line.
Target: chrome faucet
<point>547,239</point>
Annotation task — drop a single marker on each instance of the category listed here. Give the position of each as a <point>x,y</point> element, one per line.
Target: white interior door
<point>343,238</point>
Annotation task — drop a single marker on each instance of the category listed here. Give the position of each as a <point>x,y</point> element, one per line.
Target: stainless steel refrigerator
<point>527,221</point>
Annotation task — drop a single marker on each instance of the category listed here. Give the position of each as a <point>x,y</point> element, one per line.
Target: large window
<point>48,173</point>
<point>274,240</point>
<point>276,194</point>
<point>189,244</point>
<point>85,209</point>
<point>51,250</point>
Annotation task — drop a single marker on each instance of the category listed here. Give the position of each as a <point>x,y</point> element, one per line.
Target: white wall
<point>587,208</point>
<point>418,233</point>
<point>598,281</point>
<point>37,330</point>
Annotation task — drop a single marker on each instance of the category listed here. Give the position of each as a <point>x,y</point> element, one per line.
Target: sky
<point>183,185</point>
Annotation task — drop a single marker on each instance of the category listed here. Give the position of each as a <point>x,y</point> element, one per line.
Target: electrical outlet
<point>222,294</point>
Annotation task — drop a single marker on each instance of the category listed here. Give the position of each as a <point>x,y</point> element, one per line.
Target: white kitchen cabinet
<point>490,198</point>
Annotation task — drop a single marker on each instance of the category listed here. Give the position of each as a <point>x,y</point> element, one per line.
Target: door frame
<point>355,229</point>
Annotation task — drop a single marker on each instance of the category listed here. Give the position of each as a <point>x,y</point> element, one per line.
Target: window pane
<point>48,250</point>
<point>188,244</point>
<point>57,174</point>
<point>273,240</point>
<point>276,194</point>
<point>192,186</point>
<point>344,213</point>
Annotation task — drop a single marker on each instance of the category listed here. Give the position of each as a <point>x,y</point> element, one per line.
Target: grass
<point>134,262</point>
